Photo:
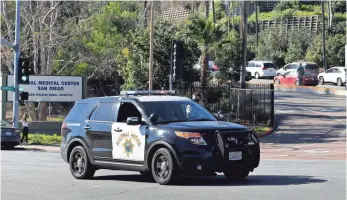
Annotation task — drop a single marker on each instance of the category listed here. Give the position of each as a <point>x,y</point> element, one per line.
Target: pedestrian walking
<point>197,98</point>
<point>25,125</point>
<point>301,73</point>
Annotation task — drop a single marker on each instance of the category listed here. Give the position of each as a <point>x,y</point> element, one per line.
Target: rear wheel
<point>80,166</point>
<point>277,81</point>
<point>339,82</point>
<point>278,74</point>
<point>236,174</point>
<point>164,168</point>
<point>297,82</point>
<point>321,81</point>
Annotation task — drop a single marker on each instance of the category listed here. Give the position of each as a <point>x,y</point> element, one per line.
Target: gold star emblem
<point>128,147</point>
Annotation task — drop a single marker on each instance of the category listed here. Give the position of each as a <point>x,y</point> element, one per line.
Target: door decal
<point>128,143</point>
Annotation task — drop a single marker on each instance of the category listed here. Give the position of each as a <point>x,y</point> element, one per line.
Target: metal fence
<point>252,105</point>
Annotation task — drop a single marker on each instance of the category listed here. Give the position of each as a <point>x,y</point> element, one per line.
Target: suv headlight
<point>194,138</point>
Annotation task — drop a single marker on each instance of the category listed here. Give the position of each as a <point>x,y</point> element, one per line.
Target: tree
<point>207,34</point>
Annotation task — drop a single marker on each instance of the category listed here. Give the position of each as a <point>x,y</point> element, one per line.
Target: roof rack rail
<point>147,92</point>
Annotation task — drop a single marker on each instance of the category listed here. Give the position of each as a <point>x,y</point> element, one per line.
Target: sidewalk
<point>42,148</point>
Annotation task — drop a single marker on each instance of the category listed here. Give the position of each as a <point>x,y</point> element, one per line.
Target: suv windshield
<point>311,66</point>
<point>178,111</point>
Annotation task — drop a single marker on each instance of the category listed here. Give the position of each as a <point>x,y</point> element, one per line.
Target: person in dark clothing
<point>301,73</point>
<point>197,98</point>
<point>25,125</point>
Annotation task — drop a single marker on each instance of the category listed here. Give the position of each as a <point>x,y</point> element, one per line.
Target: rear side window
<point>105,112</point>
<point>251,64</point>
<point>269,65</point>
<point>76,111</point>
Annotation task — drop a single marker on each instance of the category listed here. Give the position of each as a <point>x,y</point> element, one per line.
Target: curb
<point>310,89</point>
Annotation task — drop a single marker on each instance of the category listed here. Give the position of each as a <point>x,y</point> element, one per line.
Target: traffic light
<point>178,60</point>
<point>23,71</point>
<point>23,96</point>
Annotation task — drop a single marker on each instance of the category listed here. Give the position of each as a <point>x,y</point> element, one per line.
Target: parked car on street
<point>162,136</point>
<point>308,67</point>
<point>10,136</point>
<point>260,69</point>
<point>335,75</point>
<point>291,78</point>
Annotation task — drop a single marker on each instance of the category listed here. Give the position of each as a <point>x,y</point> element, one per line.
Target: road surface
<point>304,159</point>
<point>42,176</point>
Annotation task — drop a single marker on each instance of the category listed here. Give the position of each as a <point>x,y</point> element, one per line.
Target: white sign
<point>50,88</point>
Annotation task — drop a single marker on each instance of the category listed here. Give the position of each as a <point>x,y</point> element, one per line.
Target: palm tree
<point>208,35</point>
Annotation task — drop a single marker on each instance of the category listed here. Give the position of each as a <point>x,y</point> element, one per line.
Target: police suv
<point>163,136</point>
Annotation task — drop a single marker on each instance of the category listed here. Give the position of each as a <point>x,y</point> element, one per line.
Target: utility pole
<point>207,8</point>
<point>244,42</point>
<point>150,66</point>
<point>323,37</point>
<point>213,12</point>
<point>16,67</point>
<point>256,21</point>
<point>171,68</point>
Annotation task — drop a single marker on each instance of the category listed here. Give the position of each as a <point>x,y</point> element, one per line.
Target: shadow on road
<point>262,180</point>
<point>21,149</point>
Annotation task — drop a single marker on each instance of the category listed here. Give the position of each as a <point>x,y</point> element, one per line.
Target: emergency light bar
<point>147,92</point>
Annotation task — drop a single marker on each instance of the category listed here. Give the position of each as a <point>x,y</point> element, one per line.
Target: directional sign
<point>8,88</point>
<point>11,88</point>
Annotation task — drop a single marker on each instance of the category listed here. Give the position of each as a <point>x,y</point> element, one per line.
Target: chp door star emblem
<point>128,147</point>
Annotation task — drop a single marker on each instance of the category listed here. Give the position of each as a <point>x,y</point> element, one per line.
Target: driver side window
<point>126,110</point>
<point>330,70</point>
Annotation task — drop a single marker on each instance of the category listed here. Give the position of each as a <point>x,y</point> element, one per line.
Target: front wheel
<point>257,75</point>
<point>321,81</point>
<point>277,81</point>
<point>339,82</point>
<point>80,166</point>
<point>236,174</point>
<point>164,169</point>
<point>297,82</point>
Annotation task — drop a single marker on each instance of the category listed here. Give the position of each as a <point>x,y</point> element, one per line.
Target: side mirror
<point>153,118</point>
<point>133,121</point>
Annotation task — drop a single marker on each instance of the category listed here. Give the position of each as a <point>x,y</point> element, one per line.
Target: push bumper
<point>207,162</point>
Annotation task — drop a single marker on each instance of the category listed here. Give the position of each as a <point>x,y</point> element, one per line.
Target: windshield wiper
<point>172,121</point>
<point>202,119</point>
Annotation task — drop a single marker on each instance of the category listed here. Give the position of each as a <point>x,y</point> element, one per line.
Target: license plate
<point>8,133</point>
<point>235,155</point>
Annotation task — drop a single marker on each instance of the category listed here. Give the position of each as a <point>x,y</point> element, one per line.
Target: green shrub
<point>44,139</point>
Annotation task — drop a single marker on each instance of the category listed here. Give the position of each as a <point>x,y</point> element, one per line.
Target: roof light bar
<point>147,92</point>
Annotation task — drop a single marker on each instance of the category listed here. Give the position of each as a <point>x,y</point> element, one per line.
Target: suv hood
<point>202,125</point>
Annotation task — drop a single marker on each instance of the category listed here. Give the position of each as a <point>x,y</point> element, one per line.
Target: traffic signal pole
<point>16,67</point>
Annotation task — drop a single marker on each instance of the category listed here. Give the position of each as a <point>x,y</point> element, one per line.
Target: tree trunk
<point>213,12</point>
<point>42,111</point>
<point>203,75</point>
<point>207,8</point>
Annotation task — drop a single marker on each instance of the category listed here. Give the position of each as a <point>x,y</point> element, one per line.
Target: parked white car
<point>260,69</point>
<point>335,75</point>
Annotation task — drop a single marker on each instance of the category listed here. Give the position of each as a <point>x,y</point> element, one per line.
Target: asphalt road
<point>326,85</point>
<point>39,175</point>
<point>304,159</point>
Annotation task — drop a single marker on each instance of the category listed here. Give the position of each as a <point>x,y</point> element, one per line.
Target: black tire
<point>236,174</point>
<point>257,75</point>
<point>278,74</point>
<point>277,81</point>
<point>321,80</point>
<point>8,147</point>
<point>80,166</point>
<point>339,82</point>
<point>297,83</point>
<point>164,167</point>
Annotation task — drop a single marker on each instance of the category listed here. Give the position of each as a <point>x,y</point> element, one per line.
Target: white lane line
<point>321,114</point>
